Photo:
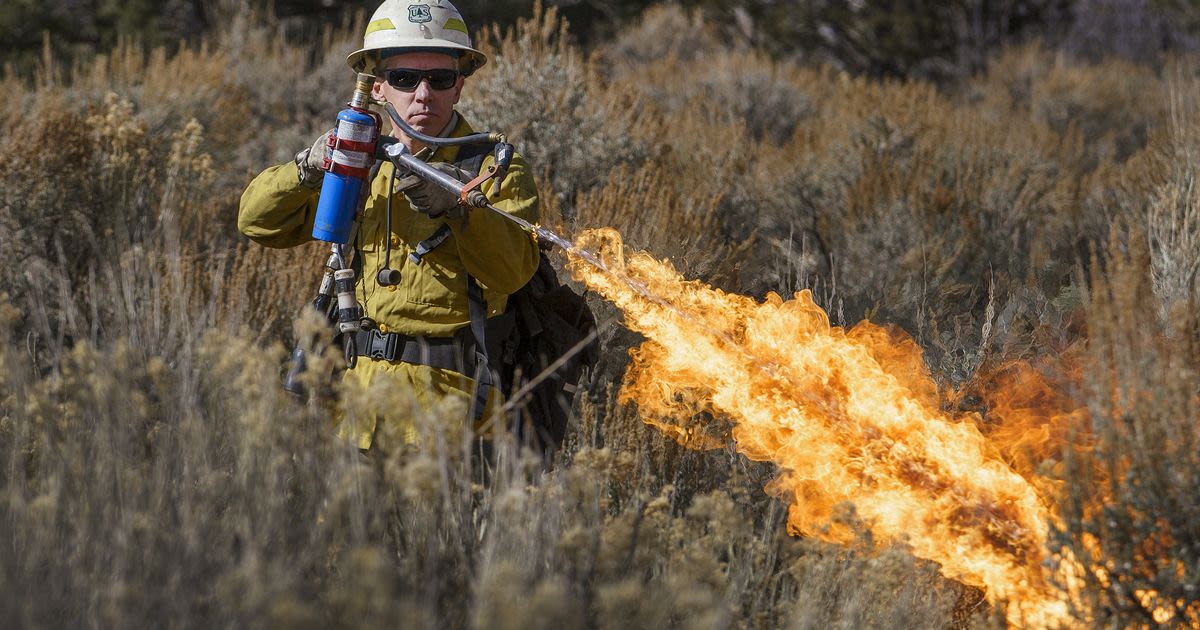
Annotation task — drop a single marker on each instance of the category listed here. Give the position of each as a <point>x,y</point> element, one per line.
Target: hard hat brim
<point>470,59</point>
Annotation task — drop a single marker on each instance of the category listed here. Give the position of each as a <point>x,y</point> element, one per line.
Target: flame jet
<point>849,416</point>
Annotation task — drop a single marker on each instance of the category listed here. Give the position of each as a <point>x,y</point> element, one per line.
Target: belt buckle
<point>379,345</point>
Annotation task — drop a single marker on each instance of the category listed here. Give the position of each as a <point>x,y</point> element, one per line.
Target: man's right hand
<point>429,198</point>
<point>310,163</point>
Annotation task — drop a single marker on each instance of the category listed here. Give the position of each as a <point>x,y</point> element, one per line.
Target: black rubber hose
<point>387,238</point>
<point>388,277</point>
<point>475,138</point>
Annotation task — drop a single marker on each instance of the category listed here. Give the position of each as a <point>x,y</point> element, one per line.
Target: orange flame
<point>849,416</point>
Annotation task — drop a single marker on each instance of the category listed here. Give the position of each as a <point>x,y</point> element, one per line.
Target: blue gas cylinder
<point>349,168</point>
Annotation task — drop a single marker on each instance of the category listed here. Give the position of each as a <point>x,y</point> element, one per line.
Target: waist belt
<point>448,353</point>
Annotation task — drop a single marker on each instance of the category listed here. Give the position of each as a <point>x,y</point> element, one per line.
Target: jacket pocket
<point>436,283</point>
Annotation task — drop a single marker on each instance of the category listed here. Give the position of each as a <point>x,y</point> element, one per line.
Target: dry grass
<point>153,474</point>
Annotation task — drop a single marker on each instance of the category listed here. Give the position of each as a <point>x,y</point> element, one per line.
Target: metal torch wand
<point>469,193</point>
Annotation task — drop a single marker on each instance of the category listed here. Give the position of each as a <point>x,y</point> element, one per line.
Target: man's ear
<point>377,90</point>
<point>458,89</point>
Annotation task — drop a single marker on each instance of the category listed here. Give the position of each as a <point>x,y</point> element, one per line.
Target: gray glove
<point>429,198</point>
<point>310,163</point>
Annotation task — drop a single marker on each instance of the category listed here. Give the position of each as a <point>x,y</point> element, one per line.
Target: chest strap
<point>438,237</point>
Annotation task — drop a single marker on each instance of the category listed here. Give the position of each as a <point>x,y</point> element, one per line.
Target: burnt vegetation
<point>1014,188</point>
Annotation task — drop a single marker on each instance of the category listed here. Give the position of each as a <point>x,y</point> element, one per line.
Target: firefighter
<point>421,53</point>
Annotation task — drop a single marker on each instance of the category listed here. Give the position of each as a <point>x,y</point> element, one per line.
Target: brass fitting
<point>362,90</point>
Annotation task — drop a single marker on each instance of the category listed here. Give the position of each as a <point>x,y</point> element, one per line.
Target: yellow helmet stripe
<point>455,24</point>
<point>384,25</point>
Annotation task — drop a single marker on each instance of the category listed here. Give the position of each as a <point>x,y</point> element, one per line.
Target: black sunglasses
<point>407,79</point>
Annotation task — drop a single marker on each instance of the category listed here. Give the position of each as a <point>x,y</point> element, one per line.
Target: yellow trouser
<point>412,389</point>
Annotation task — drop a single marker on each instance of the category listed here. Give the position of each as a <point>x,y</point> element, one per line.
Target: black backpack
<point>551,344</point>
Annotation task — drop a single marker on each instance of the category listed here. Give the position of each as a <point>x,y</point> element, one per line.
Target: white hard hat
<point>416,25</point>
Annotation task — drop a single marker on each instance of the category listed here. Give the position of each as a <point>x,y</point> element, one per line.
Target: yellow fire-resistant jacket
<point>431,298</point>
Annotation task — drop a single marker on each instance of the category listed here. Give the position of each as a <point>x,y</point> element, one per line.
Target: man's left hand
<point>429,198</point>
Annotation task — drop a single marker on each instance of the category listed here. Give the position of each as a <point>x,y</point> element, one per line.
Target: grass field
<point>154,474</point>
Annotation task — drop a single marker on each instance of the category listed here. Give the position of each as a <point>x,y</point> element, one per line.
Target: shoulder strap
<point>470,157</point>
<point>477,309</point>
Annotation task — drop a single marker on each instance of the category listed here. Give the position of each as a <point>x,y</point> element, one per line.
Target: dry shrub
<point>741,94</point>
<point>1112,105</point>
<point>552,102</point>
<point>1128,508</point>
<point>954,205</point>
<point>685,227</point>
<point>1173,219</point>
<point>166,490</point>
<point>660,33</point>
<point>861,587</point>
<point>130,236</point>
<point>127,217</point>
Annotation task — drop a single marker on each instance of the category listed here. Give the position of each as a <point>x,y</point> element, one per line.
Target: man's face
<point>425,109</point>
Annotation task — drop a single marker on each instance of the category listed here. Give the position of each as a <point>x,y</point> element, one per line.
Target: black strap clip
<point>424,247</point>
<point>380,345</point>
